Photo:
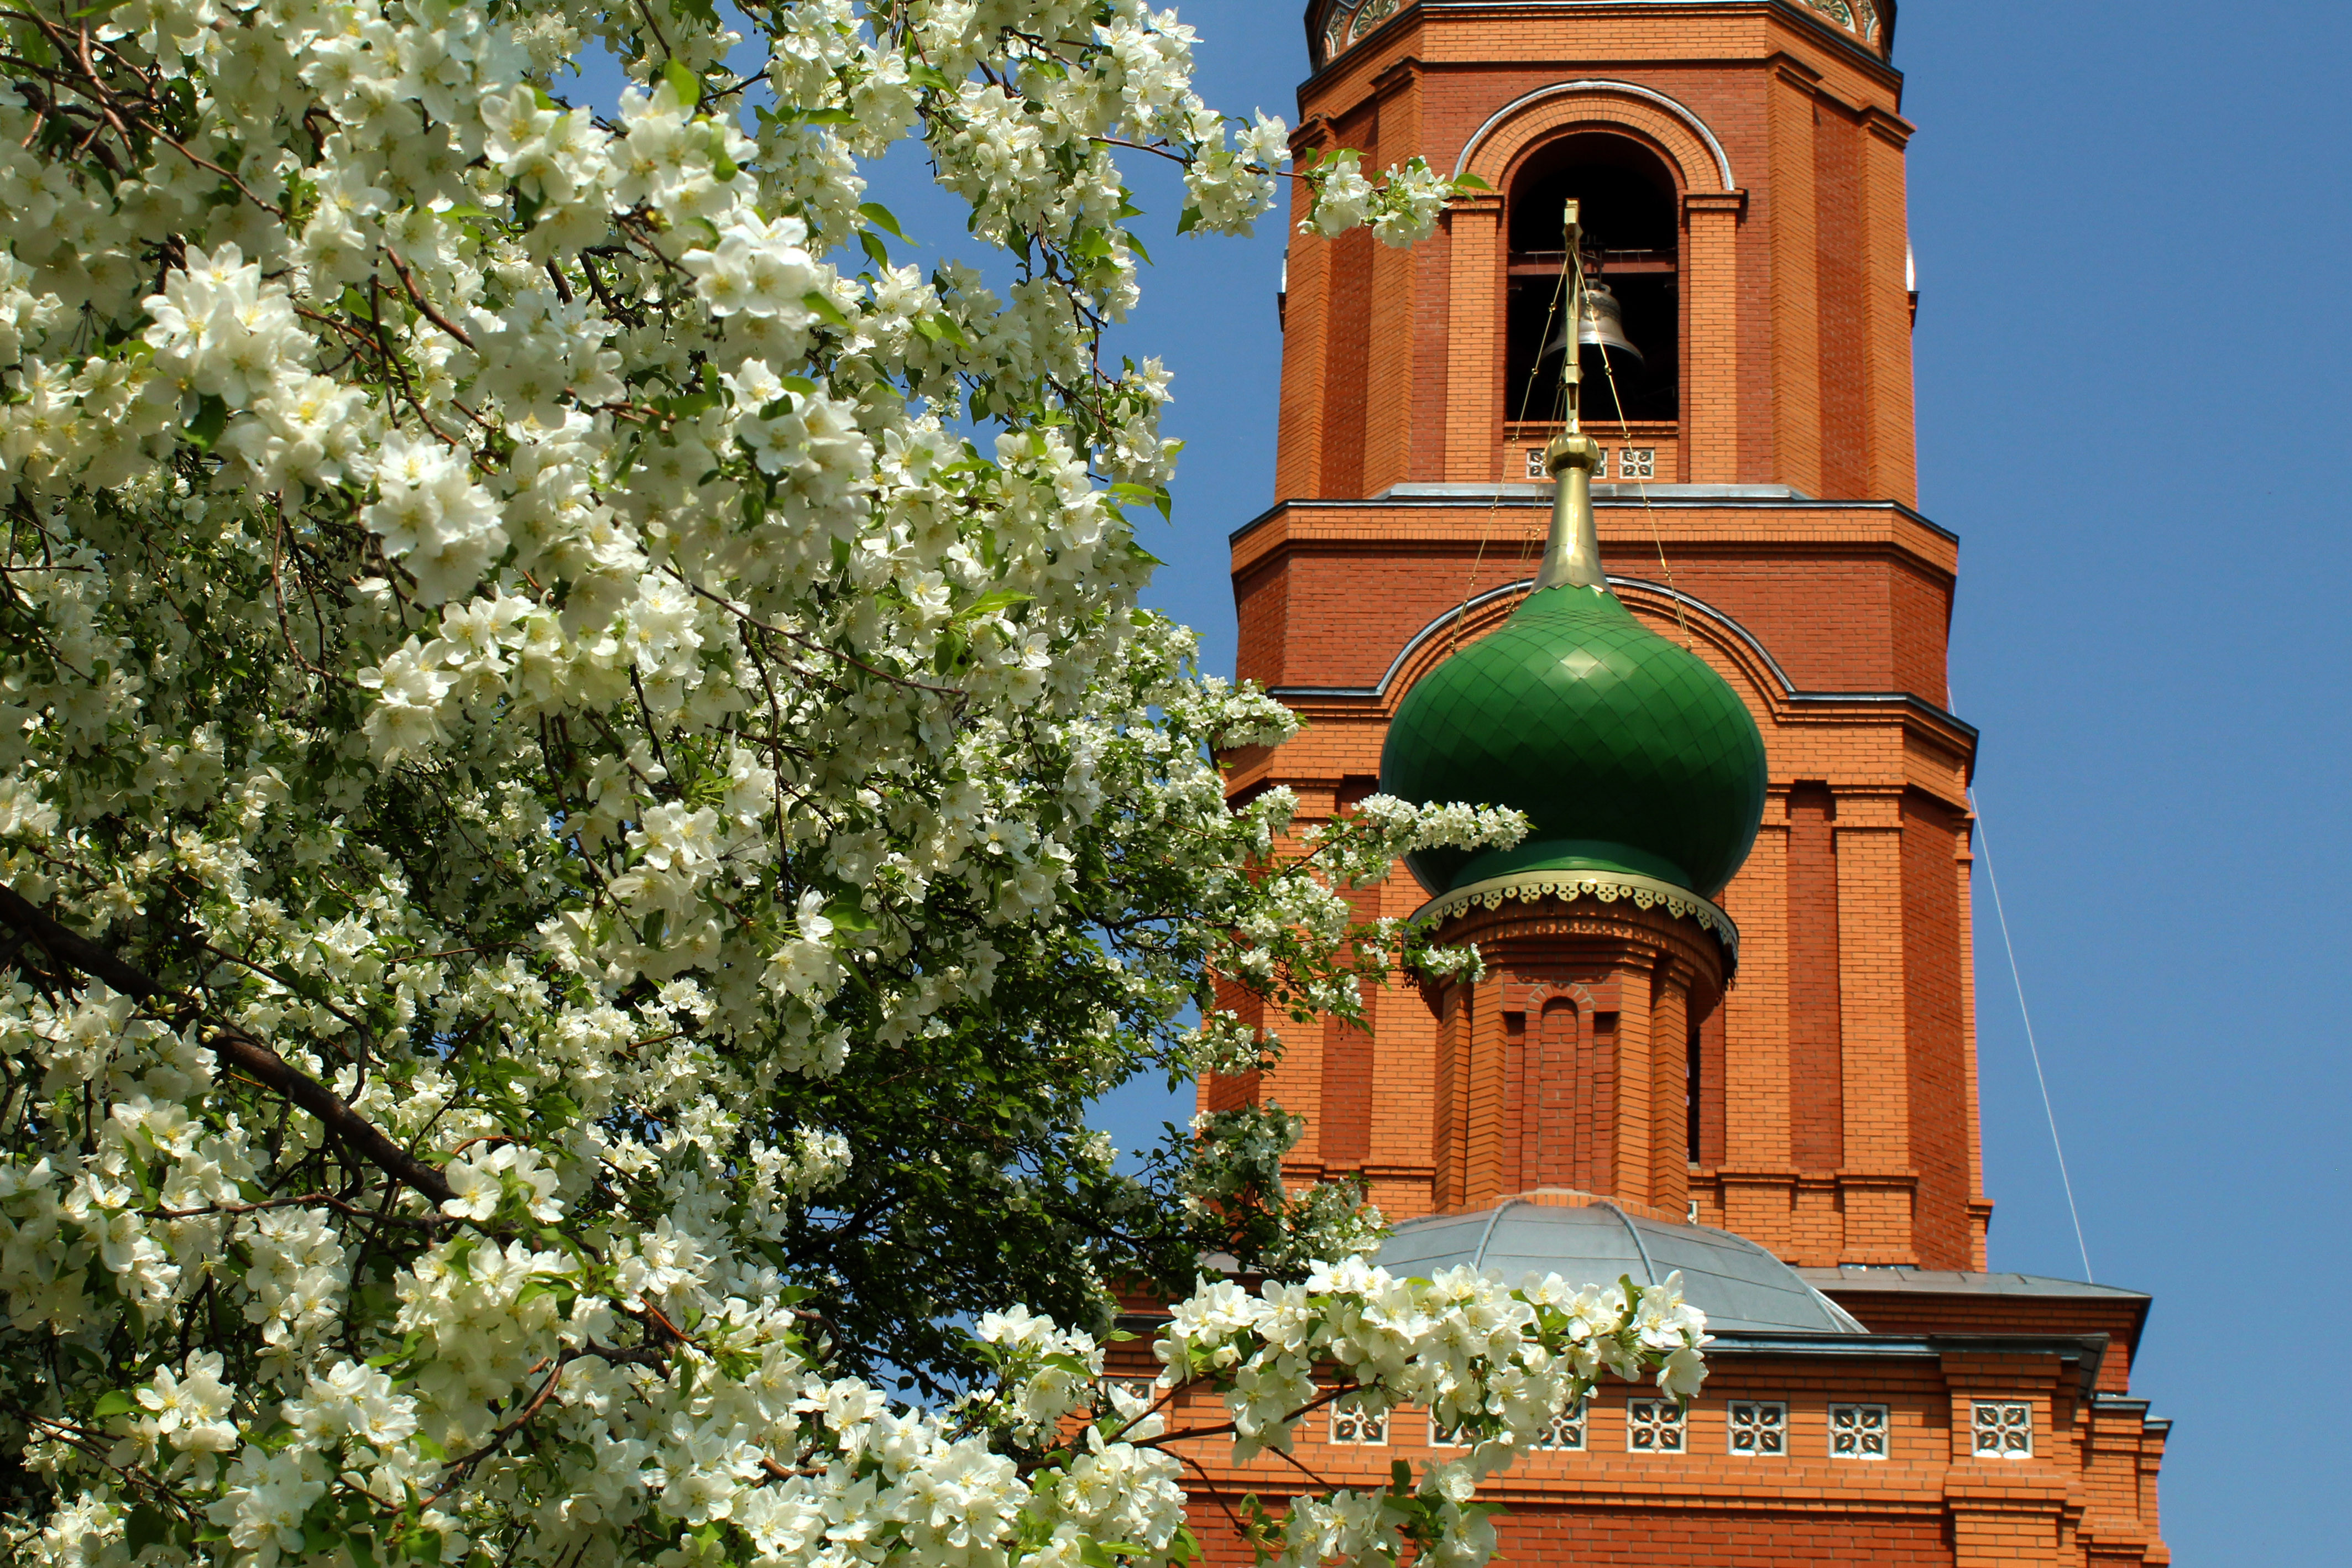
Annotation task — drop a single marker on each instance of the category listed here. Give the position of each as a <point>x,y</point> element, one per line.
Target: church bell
<point>1603,327</point>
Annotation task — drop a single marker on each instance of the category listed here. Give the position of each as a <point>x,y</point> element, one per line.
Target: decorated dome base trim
<point>1602,886</point>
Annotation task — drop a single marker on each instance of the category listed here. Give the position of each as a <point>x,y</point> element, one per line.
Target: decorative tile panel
<point>2002,1429</point>
<point>1760,1428</point>
<point>1655,1426</point>
<point>1346,21</point>
<point>1565,1435</point>
<point>1637,463</point>
<point>1369,1427</point>
<point>1858,1431</point>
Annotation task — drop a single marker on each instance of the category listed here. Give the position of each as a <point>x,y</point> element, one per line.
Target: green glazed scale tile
<point>1626,751</point>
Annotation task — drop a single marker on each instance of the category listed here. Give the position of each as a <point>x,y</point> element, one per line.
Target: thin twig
<point>417,295</point>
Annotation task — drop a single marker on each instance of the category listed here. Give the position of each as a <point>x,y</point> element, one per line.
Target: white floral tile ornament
<point>1655,1426</point>
<point>2002,1428</point>
<point>1367,1427</point>
<point>1858,1431</point>
<point>1758,1428</point>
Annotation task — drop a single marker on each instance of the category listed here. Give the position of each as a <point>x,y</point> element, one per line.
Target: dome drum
<point>1564,1064</point>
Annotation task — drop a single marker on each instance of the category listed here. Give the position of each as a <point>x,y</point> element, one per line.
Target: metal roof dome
<point>1741,1287</point>
<point>1628,752</point>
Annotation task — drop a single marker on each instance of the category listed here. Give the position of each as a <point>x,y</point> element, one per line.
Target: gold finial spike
<point>1572,554</point>
<point>1571,371</point>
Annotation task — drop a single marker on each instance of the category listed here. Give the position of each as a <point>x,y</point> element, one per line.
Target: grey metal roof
<point>1739,1285</point>
<point>1954,1282</point>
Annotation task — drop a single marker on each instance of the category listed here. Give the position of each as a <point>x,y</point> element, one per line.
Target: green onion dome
<point>1627,752</point>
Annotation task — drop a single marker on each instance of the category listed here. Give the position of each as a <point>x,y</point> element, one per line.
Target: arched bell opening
<point>1633,231</point>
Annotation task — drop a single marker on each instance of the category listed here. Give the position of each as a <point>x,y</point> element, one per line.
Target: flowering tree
<point>585,801</point>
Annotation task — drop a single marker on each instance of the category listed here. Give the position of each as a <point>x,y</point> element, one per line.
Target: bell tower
<point>1738,166</point>
<point>1668,593</point>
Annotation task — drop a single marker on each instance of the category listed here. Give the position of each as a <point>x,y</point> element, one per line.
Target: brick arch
<point>1474,448</point>
<point>1691,149</point>
<point>1734,649</point>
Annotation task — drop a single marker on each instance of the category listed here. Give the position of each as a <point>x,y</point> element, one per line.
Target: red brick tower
<point>1776,1092</point>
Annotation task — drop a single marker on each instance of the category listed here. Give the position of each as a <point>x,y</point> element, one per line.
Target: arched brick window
<point>1631,213</point>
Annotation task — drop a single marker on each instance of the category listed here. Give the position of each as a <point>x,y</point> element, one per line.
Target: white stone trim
<point>1602,84</point>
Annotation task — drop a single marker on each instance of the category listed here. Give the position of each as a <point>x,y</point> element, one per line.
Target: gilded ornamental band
<point>1607,887</point>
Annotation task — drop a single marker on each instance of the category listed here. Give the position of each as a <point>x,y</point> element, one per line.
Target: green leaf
<point>876,251</point>
<point>1190,221</point>
<point>990,603</point>
<point>114,1404</point>
<point>682,81</point>
<point>942,330</point>
<point>847,914</point>
<point>1143,495</point>
<point>882,218</point>
<point>815,300</point>
<point>212,419</point>
<point>1469,182</point>
<point>147,1526</point>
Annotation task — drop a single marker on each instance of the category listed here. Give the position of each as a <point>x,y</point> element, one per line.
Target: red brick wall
<point>1675,1538</point>
<point>1712,1065</point>
<point>1837,185</point>
<point>1720,1538</point>
<point>1840,605</point>
<point>1816,1055</point>
<point>1350,358</point>
<point>1346,1122</point>
<point>1260,609</point>
<point>1936,1068</point>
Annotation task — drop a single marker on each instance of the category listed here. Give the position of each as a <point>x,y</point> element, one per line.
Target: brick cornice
<point>1891,129</point>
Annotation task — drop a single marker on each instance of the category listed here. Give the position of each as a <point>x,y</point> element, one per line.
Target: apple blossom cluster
<point>585,801</point>
<point>1492,1365</point>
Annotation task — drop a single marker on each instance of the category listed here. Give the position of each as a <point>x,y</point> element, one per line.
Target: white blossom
<point>551,661</point>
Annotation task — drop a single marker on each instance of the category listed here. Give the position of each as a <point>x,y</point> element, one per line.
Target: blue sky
<point>2132,229</point>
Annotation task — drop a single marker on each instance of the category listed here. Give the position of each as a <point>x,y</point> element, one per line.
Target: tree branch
<point>235,1047</point>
